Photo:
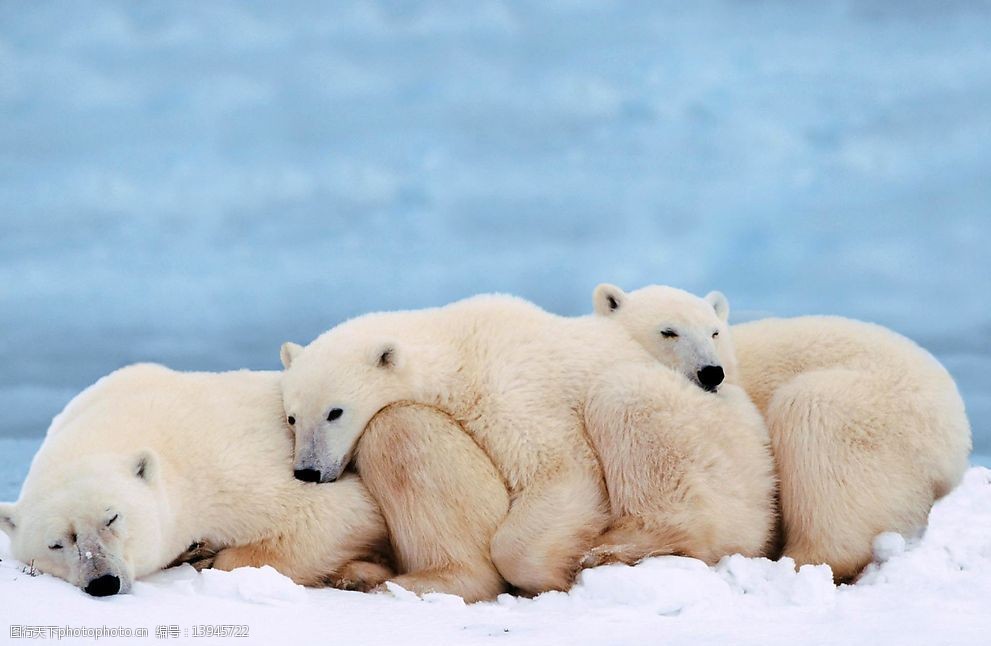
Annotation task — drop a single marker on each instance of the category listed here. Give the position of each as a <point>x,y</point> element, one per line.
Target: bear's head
<point>94,521</point>
<point>331,390</point>
<point>684,332</point>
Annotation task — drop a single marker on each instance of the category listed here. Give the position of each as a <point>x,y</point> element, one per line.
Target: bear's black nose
<point>710,377</point>
<point>103,586</point>
<point>307,475</point>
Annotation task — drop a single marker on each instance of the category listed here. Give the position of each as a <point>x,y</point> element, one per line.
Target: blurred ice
<point>15,458</point>
<point>194,183</point>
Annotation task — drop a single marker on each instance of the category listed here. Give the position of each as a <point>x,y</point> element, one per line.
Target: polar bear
<point>867,428</point>
<point>517,378</point>
<point>149,460</point>
<point>688,472</point>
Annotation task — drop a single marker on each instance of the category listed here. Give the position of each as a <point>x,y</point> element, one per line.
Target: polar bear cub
<point>684,332</point>
<point>868,429</point>
<point>689,472</point>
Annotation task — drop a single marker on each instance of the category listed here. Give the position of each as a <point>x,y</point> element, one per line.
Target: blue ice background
<point>194,183</point>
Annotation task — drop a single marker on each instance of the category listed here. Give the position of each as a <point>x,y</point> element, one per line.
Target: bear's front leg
<point>200,555</point>
<point>630,540</point>
<point>329,534</point>
<point>253,555</point>
<point>360,576</point>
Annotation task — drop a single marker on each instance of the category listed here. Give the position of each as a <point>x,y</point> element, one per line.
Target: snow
<point>928,590</point>
<point>887,545</point>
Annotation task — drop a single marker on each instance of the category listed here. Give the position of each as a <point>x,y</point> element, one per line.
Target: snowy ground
<point>935,591</point>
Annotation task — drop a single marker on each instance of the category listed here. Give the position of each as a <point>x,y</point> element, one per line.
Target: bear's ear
<point>289,352</point>
<point>7,518</point>
<point>719,303</point>
<point>607,299</point>
<point>145,466</point>
<point>387,355</point>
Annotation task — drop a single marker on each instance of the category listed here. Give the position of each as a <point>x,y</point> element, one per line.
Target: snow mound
<point>263,585</point>
<point>402,594</point>
<point>666,585</point>
<point>888,545</point>
<point>771,583</point>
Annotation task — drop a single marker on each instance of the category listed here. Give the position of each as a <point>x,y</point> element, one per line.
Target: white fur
<point>652,314</point>
<point>516,377</point>
<point>867,428</point>
<point>179,458</point>
<point>689,472</point>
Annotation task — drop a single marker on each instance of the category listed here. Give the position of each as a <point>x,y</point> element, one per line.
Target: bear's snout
<point>103,586</point>
<point>307,475</point>
<point>710,377</point>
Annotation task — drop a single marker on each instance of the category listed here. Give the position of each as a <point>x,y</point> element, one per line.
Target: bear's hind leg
<point>846,466</point>
<point>441,497</point>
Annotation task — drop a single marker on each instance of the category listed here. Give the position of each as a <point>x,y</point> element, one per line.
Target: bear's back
<point>822,341</point>
<point>186,417</point>
<point>772,351</point>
